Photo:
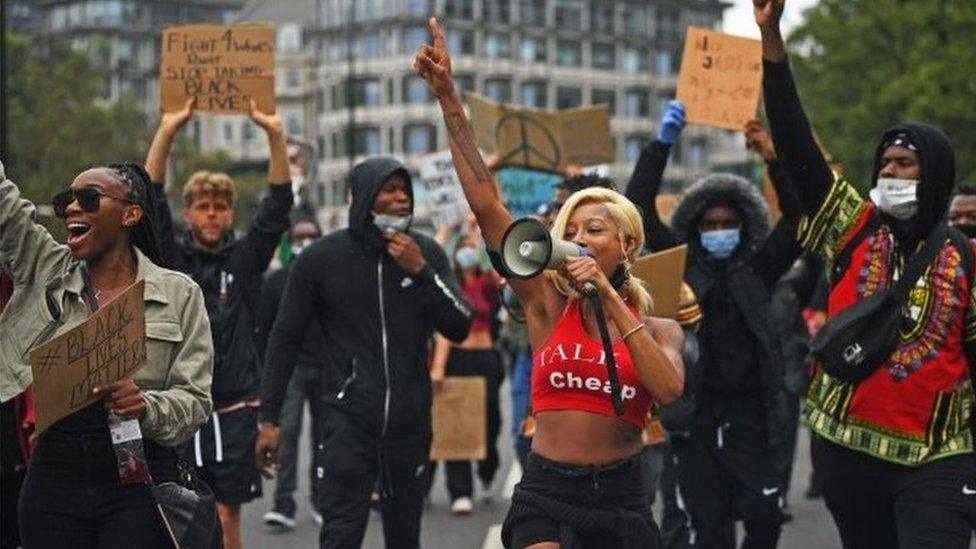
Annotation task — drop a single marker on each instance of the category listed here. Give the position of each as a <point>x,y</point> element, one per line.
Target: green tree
<point>863,65</point>
<point>58,124</point>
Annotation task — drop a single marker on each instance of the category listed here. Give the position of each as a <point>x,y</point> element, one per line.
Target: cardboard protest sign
<point>540,139</point>
<point>109,346</point>
<point>442,193</point>
<point>460,419</point>
<point>662,273</point>
<point>223,66</point>
<point>526,190</point>
<point>720,78</point>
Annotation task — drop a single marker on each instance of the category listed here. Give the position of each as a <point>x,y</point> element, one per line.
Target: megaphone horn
<point>528,249</point>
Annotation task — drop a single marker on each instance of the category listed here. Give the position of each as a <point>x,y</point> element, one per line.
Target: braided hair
<point>143,234</point>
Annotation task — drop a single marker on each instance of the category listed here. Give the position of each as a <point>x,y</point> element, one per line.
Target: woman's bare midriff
<point>476,341</point>
<point>584,438</point>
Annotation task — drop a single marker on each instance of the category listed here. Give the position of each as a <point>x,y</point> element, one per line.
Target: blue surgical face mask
<point>466,257</point>
<point>720,243</point>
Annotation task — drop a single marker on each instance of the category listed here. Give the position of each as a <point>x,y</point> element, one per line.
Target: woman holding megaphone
<point>582,482</point>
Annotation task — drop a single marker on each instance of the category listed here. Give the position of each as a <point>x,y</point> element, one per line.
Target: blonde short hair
<point>631,225</point>
<point>210,184</point>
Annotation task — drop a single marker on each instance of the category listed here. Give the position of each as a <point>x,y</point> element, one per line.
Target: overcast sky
<point>739,19</point>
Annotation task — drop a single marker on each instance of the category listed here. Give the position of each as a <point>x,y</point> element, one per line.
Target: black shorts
<point>223,451</point>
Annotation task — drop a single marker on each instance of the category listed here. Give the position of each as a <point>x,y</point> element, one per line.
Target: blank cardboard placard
<point>540,139</point>
<point>720,78</point>
<point>223,66</point>
<point>662,273</point>
<point>109,346</point>
<point>460,420</point>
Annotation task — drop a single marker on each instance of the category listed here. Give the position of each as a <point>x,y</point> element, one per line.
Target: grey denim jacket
<point>175,381</point>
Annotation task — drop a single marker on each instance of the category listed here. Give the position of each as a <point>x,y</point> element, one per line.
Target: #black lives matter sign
<point>109,346</point>
<point>223,66</point>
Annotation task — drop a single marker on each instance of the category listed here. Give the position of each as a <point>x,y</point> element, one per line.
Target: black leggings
<point>877,504</point>
<point>72,498</point>
<point>487,364</point>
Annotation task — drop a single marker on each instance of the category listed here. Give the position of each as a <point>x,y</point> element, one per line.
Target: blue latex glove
<point>672,122</point>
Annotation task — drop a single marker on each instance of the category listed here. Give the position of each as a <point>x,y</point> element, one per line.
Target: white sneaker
<point>487,494</point>
<point>279,520</point>
<point>316,516</point>
<point>462,506</point>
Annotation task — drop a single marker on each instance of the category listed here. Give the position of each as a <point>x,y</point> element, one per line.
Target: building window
<point>534,94</point>
<point>668,25</point>
<point>636,103</point>
<point>569,15</point>
<point>601,18</point>
<point>568,98</point>
<point>568,53</point>
<point>248,132</point>
<point>460,42</point>
<point>534,50</point>
<point>497,11</point>
<point>228,132</point>
<point>497,46</point>
<point>293,124</point>
<point>413,38</point>
<point>533,12</point>
<point>636,22</point>
<point>366,92</point>
<point>459,9</point>
<point>365,141</point>
<point>418,8</point>
<point>636,60</point>
<point>498,89</point>
<point>606,97</point>
<point>419,138</point>
<point>632,148</point>
<point>603,56</point>
<point>415,90</point>
<point>463,83</point>
<point>293,78</point>
<point>664,62</point>
<point>368,46</point>
<point>696,153</point>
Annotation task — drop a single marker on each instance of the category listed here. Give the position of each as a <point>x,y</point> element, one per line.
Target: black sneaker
<point>281,516</point>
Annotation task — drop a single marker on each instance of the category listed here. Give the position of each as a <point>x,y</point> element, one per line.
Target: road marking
<point>493,538</point>
<point>514,476</point>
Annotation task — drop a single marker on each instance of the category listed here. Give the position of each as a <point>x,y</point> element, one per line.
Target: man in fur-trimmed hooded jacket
<point>734,261</point>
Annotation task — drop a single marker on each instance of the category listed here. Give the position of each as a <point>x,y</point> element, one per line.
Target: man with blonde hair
<point>230,274</point>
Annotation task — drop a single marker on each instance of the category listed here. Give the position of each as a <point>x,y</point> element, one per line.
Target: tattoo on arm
<point>460,130</point>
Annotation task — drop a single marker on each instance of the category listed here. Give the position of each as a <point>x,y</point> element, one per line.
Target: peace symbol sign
<point>536,146</point>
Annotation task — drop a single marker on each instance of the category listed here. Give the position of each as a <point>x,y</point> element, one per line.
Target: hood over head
<point>722,189</point>
<point>937,167</point>
<point>366,180</point>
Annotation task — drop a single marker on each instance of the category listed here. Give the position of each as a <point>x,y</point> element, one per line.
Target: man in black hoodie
<point>379,291</point>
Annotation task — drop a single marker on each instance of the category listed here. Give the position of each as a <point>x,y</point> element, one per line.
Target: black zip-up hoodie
<point>376,318</point>
<point>231,279</point>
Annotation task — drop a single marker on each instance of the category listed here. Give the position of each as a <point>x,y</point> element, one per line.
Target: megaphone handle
<point>589,290</point>
<point>601,321</point>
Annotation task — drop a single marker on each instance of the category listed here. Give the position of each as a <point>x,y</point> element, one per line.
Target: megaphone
<point>528,249</point>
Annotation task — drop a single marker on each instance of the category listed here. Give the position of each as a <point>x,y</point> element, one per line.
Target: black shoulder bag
<point>853,344</point>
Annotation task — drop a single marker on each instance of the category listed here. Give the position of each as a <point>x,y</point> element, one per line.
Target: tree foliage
<point>58,124</point>
<point>864,65</point>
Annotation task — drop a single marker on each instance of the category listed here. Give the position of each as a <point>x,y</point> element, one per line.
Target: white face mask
<point>896,197</point>
<point>297,247</point>
<point>389,223</point>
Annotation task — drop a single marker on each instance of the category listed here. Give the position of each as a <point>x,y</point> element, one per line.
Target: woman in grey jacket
<point>72,496</point>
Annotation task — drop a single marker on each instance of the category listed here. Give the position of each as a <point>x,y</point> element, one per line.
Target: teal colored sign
<point>525,190</point>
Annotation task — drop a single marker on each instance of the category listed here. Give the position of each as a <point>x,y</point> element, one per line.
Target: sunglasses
<point>89,198</point>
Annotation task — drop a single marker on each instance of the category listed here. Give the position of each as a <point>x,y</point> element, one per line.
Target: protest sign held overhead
<point>720,78</point>
<point>442,194</point>
<point>223,66</point>
<point>458,412</point>
<point>526,190</point>
<point>540,139</point>
<point>109,346</point>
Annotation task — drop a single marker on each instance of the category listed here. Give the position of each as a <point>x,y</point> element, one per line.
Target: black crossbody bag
<point>853,344</point>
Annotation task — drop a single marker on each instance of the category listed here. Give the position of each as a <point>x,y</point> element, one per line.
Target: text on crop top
<point>569,372</point>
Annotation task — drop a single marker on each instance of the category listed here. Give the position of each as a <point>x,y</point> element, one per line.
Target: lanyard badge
<point>129,454</point>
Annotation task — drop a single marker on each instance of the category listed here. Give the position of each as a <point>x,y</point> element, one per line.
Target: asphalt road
<point>811,526</point>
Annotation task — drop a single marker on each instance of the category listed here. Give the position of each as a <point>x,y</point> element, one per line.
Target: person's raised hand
<point>270,123</point>
<point>433,63</point>
<point>758,140</point>
<point>768,12</point>
<point>172,121</point>
<point>672,122</point>
<point>405,251</point>
<point>266,449</point>
<point>123,398</point>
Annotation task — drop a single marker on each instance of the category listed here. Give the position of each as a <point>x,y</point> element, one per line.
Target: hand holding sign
<point>123,398</point>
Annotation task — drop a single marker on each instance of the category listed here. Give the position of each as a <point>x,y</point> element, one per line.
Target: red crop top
<point>569,372</point>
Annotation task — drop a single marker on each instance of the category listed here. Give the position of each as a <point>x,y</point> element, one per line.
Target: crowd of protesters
<point>365,324</point>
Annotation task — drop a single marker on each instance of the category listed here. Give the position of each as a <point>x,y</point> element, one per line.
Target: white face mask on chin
<point>896,197</point>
